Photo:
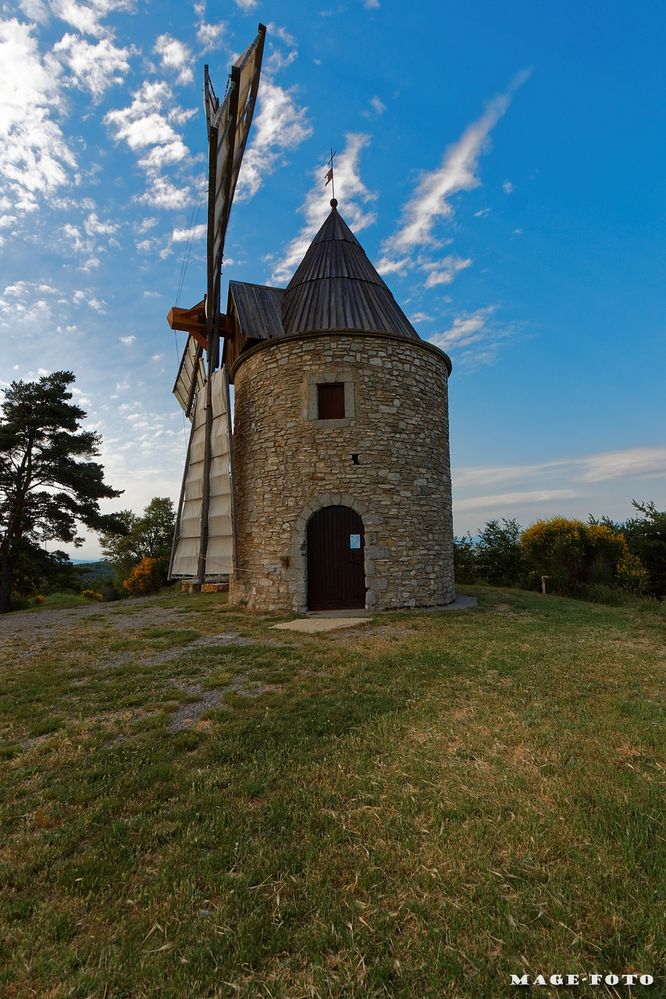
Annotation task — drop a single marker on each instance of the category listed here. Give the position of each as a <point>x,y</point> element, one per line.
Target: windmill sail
<point>219,559</point>
<point>228,130</point>
<point>191,376</point>
<point>204,541</point>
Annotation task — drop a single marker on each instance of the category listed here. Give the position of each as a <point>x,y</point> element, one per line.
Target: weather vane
<point>329,175</point>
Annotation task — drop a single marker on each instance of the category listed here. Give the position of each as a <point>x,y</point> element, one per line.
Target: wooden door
<point>336,570</point>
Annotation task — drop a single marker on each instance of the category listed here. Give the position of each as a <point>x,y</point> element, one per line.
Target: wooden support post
<point>205,498</point>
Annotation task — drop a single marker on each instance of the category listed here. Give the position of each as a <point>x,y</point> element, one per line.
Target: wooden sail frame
<point>228,124</point>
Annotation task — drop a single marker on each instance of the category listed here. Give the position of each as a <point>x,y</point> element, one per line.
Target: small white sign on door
<point>354,541</point>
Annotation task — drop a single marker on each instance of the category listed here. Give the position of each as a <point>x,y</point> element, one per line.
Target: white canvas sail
<point>191,369</point>
<point>220,547</point>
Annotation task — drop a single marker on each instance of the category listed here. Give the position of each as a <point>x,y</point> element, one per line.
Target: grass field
<point>194,805</point>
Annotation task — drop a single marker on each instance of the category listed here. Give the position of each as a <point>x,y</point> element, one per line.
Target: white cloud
<point>151,294</point>
<point>95,227</point>
<point>184,235</point>
<point>377,105</point>
<point>280,125</point>
<point>175,55</point>
<point>508,187</point>
<point>128,340</point>
<point>159,156</point>
<point>35,159</point>
<point>209,35</point>
<point>87,18</point>
<point>144,122</point>
<point>94,66</point>
<point>17,290</point>
<point>163,194</point>
<point>246,5</point>
<point>431,200</point>
<point>444,271</point>
<point>350,191</point>
<point>35,10</point>
<point>371,4</point>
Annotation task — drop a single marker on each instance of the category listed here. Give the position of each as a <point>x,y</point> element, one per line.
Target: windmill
<point>204,540</point>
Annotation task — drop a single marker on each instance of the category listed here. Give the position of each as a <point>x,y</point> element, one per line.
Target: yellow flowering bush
<point>146,577</point>
<point>575,555</point>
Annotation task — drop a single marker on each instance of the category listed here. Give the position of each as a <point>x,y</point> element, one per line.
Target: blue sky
<point>502,165</point>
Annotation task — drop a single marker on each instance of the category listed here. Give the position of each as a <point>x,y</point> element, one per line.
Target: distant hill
<point>94,574</point>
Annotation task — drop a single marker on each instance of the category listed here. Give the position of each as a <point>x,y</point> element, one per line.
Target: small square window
<point>331,401</point>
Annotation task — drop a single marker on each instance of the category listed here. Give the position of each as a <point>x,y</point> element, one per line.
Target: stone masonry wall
<point>288,464</point>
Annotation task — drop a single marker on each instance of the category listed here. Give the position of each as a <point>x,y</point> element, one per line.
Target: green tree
<point>646,538</point>
<point>147,536</point>
<point>465,559</point>
<point>500,554</point>
<point>48,482</point>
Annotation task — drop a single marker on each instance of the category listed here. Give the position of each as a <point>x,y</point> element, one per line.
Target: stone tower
<point>340,443</point>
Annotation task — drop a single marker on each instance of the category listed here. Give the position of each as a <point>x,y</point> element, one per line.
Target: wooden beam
<point>193,321</point>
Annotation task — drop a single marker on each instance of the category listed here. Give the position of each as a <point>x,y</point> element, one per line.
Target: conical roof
<point>336,288</point>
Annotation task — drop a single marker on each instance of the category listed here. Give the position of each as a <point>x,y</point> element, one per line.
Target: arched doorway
<point>336,570</point>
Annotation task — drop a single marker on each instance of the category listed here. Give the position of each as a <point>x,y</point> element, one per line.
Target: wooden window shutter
<point>331,401</point>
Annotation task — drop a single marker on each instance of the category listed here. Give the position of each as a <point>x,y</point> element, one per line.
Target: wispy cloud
<point>551,487</point>
<point>209,35</point>
<point>149,126</point>
<point>431,201</point>
<point>474,338</point>
<point>377,105</point>
<point>352,193</point>
<point>637,462</point>
<point>497,501</point>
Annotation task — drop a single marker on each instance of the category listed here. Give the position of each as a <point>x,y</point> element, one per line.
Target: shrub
<point>92,595</point>
<point>39,599</point>
<point>575,555</point>
<point>146,577</point>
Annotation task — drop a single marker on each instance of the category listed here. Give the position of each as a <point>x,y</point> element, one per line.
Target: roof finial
<point>331,178</point>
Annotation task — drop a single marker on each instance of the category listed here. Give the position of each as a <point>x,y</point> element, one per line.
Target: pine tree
<point>48,482</point>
